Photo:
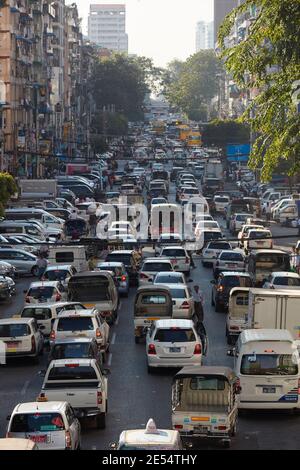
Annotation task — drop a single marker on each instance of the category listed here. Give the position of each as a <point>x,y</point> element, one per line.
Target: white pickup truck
<point>79,382</point>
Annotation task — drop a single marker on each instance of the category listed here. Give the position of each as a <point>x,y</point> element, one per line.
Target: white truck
<point>79,382</point>
<point>213,169</point>
<point>275,309</point>
<point>38,189</point>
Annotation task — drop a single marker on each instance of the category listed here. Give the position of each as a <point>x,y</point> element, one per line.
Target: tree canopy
<point>191,85</point>
<point>8,187</point>
<point>122,83</point>
<point>268,59</point>
<point>222,133</point>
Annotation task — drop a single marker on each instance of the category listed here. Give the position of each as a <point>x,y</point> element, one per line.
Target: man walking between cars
<point>198,305</point>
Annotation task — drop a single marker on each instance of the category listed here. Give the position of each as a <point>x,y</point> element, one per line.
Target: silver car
<point>24,262</point>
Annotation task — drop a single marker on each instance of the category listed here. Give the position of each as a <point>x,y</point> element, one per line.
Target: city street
<point>134,395</point>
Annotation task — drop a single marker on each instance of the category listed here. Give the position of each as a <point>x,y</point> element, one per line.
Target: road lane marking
<point>25,386</point>
<point>109,359</point>
<point>113,340</point>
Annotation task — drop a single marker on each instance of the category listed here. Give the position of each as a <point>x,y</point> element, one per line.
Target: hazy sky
<point>161,29</point>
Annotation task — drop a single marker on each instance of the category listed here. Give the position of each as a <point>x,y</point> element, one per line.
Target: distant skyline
<point>160,29</point>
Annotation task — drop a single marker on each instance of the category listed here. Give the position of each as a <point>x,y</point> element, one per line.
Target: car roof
<point>234,273</point>
<point>59,267</point>
<point>121,252</point>
<point>50,304</point>
<point>170,273</point>
<point>180,323</point>
<point>157,260</point>
<point>111,264</point>
<point>44,284</point>
<point>77,313</point>
<point>206,370</point>
<point>285,274</point>
<point>248,336</point>
<point>24,321</point>
<point>74,341</point>
<point>171,247</point>
<point>63,362</point>
<point>48,406</point>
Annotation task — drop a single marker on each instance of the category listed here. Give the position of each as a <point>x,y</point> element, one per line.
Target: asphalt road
<point>134,395</point>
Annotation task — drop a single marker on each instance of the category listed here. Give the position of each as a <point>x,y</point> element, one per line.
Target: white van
<point>21,228</point>
<point>75,255</point>
<point>24,213</point>
<point>268,366</point>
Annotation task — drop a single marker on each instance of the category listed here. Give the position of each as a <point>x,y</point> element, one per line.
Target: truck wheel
<point>100,421</point>
<point>137,339</point>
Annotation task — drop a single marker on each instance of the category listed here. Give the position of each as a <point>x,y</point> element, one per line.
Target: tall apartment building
<point>107,26</point>
<point>204,36</point>
<point>221,9</point>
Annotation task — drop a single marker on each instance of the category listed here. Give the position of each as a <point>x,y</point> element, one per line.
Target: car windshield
<point>37,313</point>
<point>259,234</point>
<point>14,331</point>
<point>212,236</point>
<point>175,335</point>
<point>237,281</point>
<point>37,422</point>
<point>279,262</point>
<point>119,258</point>
<point>70,351</point>
<point>75,324</point>
<point>241,218</point>
<point>56,275</point>
<point>269,364</point>
<point>221,199</point>
<point>287,281</point>
<point>231,257</point>
<point>89,289</point>
<point>156,267</point>
<point>42,292</point>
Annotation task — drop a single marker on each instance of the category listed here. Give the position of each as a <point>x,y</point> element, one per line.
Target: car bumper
<point>176,362</point>
<point>268,406</point>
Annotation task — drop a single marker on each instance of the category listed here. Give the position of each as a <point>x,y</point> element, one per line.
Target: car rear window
<point>221,199</point>
<point>175,335</point>
<point>207,383</point>
<point>287,281</point>
<point>37,422</point>
<point>156,267</point>
<point>72,372</point>
<point>169,279</point>
<point>219,246</point>
<point>75,324</point>
<point>41,292</point>
<point>237,281</point>
<point>231,257</point>
<point>154,299</point>
<point>173,252</point>
<point>70,351</point>
<point>212,235</point>
<point>15,331</point>
<point>56,275</point>
<point>178,293</point>
<point>125,259</point>
<point>66,257</point>
<point>37,313</point>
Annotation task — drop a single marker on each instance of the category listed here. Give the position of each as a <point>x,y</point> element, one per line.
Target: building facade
<point>221,9</point>
<point>45,107</point>
<point>107,27</point>
<point>204,36</point>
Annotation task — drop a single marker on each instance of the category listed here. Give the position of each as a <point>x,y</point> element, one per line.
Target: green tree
<point>190,86</point>
<point>8,188</point>
<point>222,133</point>
<point>268,59</point>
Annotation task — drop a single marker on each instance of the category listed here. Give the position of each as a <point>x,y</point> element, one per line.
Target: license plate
<point>269,389</point>
<point>40,439</point>
<point>12,347</point>
<point>231,265</point>
<point>175,350</point>
<point>201,428</point>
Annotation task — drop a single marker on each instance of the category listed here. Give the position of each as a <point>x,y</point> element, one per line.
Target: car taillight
<point>143,276</point>
<point>52,335</point>
<point>178,426</point>
<point>98,333</point>
<point>151,350</point>
<point>222,428</point>
<point>185,305</point>
<point>27,300</point>
<point>68,440</point>
<point>198,349</point>
<point>123,278</point>
<point>105,314</point>
<point>57,298</point>
<point>99,398</point>
<point>33,346</point>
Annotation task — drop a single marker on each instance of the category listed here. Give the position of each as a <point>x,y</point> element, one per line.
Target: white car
<point>151,267</point>
<point>212,251</point>
<point>45,292</point>
<point>173,343</point>
<point>61,273</point>
<point>221,203</point>
<point>229,260</point>
<point>51,425</point>
<point>170,278</point>
<point>244,231</point>
<point>85,323</point>
<point>183,302</point>
<point>283,280</point>
<point>179,258</point>
<point>165,239</point>
<point>21,337</point>
<point>123,225</point>
<point>258,239</point>
<point>237,221</point>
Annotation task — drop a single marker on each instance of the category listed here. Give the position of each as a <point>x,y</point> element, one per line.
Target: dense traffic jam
<point>139,219</point>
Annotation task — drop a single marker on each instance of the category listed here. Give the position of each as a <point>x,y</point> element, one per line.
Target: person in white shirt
<point>198,304</point>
